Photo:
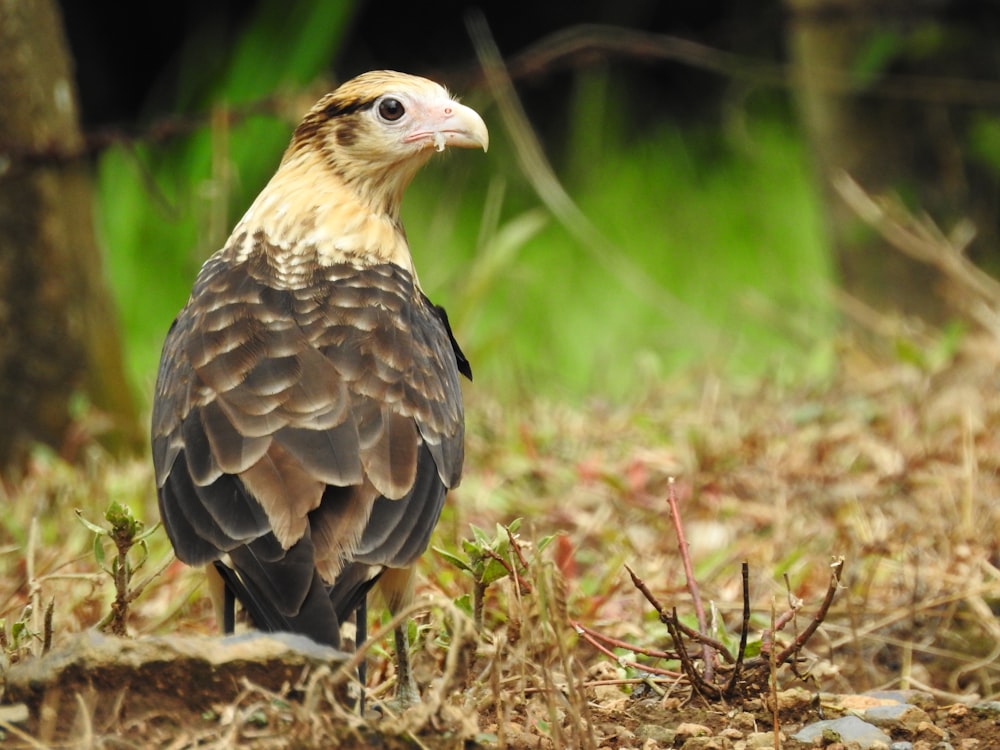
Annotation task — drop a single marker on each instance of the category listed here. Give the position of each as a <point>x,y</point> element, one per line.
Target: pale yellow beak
<point>448,123</point>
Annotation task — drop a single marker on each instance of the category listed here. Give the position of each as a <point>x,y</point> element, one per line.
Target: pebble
<point>846,729</point>
<point>744,721</point>
<point>760,741</point>
<point>688,729</point>
<point>896,715</point>
<point>707,743</point>
<point>655,732</point>
<point>987,708</point>
<point>918,698</point>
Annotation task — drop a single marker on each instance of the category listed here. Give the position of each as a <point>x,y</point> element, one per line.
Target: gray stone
<point>176,673</point>
<point>987,708</point>
<point>845,729</point>
<point>902,716</point>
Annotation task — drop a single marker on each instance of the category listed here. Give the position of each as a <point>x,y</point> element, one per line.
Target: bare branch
<point>922,240</point>
<point>575,45</point>
<point>597,641</point>
<point>692,582</point>
<point>744,631</point>
<point>698,682</point>
<point>836,571</point>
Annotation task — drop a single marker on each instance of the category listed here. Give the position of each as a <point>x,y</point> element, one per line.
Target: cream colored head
<point>336,195</point>
<point>378,129</point>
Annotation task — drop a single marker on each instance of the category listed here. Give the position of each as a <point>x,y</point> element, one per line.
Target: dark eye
<point>390,109</point>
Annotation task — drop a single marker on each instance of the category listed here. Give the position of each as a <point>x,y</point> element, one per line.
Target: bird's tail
<point>280,590</point>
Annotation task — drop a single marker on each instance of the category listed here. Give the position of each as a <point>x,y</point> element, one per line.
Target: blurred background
<point>673,202</point>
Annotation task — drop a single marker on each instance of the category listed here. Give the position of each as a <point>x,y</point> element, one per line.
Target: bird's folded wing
<point>268,399</point>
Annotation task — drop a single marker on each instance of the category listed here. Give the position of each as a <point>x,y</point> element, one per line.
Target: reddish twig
<point>691,633</point>
<point>644,590</point>
<point>698,681</point>
<point>692,583</point>
<point>773,669</point>
<point>704,640</point>
<point>514,545</point>
<point>778,624</point>
<point>595,642</point>
<point>589,633</point>
<point>524,585</point>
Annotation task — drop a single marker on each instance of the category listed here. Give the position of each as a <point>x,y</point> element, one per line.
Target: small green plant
<point>17,640</point>
<point>126,533</point>
<point>490,559</point>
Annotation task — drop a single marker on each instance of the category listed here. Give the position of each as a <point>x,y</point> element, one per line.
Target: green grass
<point>162,210</point>
<point>726,237</point>
<point>711,252</point>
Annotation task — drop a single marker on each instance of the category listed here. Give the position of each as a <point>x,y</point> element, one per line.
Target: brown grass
<point>894,467</point>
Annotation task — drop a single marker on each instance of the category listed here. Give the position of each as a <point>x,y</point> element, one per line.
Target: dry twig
<point>690,580</point>
<point>920,238</point>
<point>744,631</point>
<point>836,571</point>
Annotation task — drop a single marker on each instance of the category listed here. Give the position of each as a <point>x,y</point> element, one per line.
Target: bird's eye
<point>390,109</point>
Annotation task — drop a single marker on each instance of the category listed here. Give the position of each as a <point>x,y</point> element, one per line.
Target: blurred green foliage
<point>164,209</point>
<point>721,223</point>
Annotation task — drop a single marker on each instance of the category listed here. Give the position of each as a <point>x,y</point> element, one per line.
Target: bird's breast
<point>320,222</point>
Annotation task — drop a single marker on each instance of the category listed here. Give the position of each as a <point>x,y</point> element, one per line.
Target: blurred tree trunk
<point>918,150</point>
<point>58,332</point>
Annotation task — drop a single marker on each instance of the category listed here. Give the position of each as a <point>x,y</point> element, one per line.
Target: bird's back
<point>313,426</point>
<point>307,420</point>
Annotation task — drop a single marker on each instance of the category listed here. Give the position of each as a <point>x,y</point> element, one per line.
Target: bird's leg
<point>223,597</point>
<point>407,693</point>
<point>228,611</point>
<point>361,635</point>
<point>396,585</point>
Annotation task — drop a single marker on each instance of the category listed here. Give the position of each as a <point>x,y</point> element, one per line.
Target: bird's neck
<point>308,209</point>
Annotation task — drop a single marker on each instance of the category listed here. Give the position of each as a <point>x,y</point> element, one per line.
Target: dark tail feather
<point>281,590</point>
<point>348,592</point>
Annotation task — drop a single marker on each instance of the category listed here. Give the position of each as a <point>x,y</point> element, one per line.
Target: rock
<point>183,676</point>
<point>744,721</point>
<point>988,709</point>
<point>918,698</point>
<point>865,701</point>
<point>707,743</point>
<point>847,729</point>
<point>656,733</point>
<point>958,711</point>
<point>931,732</point>
<point>760,740</point>
<point>897,716</point>
<point>688,729</point>
<point>793,700</point>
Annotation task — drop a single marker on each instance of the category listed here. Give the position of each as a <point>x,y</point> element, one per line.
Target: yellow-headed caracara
<point>308,418</point>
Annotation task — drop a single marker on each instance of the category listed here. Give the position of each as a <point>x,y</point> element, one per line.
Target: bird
<point>307,417</point>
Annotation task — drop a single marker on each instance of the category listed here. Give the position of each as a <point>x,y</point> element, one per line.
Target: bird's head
<point>375,131</point>
<point>337,193</point>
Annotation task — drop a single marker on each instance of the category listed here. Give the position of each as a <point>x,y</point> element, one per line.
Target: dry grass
<point>893,467</point>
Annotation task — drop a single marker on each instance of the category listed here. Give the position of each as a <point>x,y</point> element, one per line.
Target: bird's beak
<point>449,123</point>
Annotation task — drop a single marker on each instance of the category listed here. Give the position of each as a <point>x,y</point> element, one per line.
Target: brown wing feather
<point>273,402</point>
